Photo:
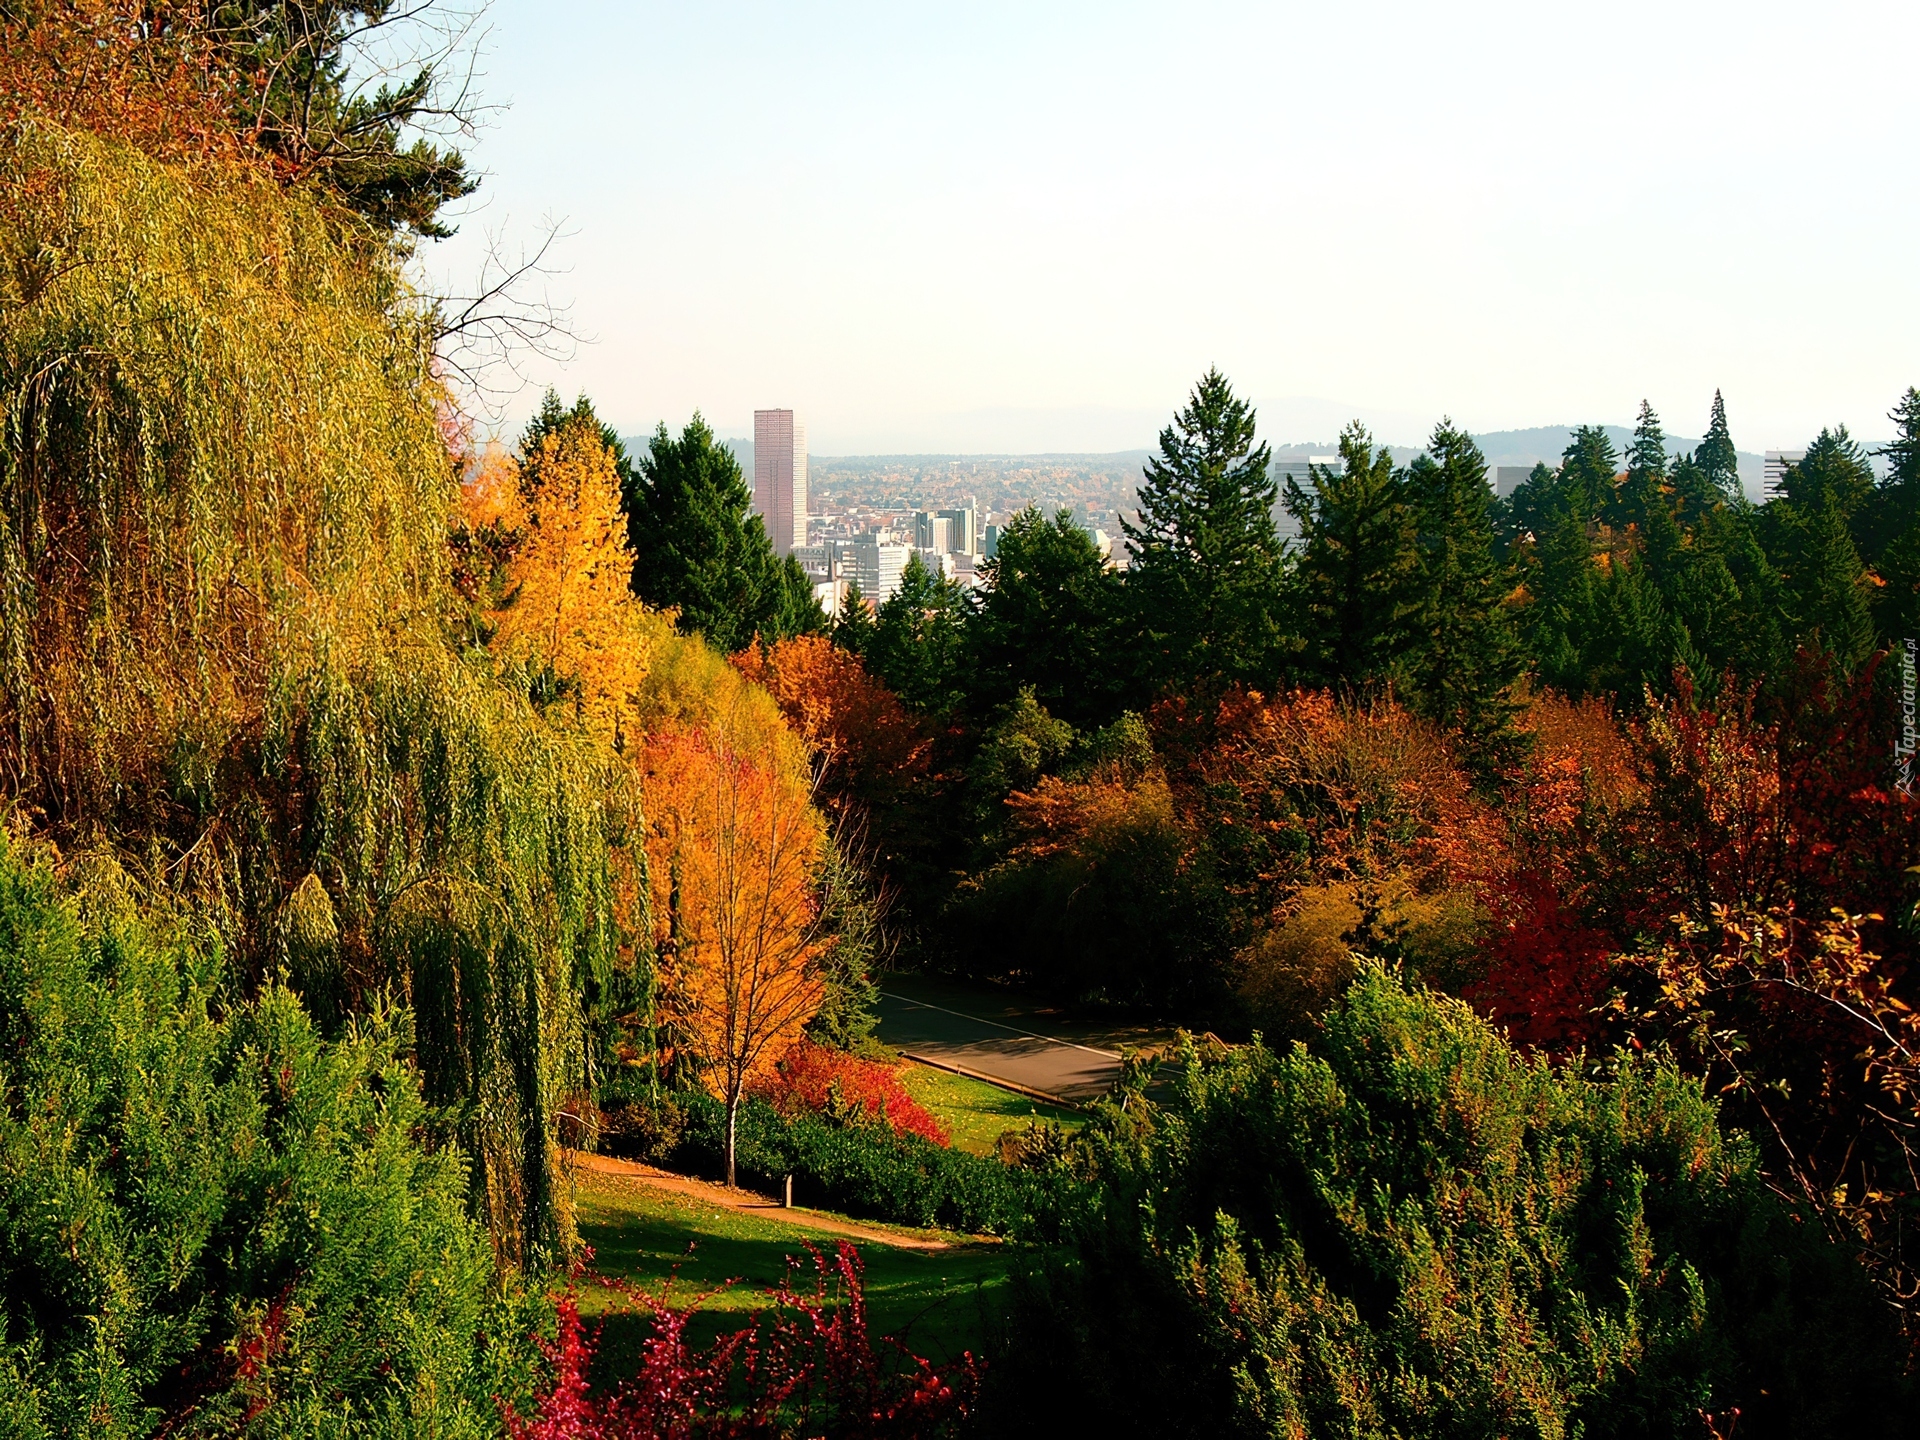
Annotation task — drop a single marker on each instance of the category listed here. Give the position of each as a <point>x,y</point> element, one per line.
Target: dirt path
<point>745,1201</point>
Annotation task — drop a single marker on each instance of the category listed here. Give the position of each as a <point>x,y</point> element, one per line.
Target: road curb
<point>993,1080</point>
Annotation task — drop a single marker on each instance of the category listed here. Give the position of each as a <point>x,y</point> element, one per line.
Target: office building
<point>934,531</point>
<point>780,477</point>
<point>1298,468</point>
<point>1509,478</point>
<point>1778,463</point>
<point>875,565</point>
<point>963,529</point>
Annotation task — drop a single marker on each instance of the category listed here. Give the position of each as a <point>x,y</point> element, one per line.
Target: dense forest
<point>389,814</point>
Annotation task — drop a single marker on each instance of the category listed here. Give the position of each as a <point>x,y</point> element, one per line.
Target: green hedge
<point>866,1170</point>
<point>1408,1229</point>
<point>212,1220</point>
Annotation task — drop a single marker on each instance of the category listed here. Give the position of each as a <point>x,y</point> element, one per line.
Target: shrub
<point>210,1218</point>
<point>808,1367</point>
<point>868,1170</point>
<point>813,1079</point>
<point>1411,1230</point>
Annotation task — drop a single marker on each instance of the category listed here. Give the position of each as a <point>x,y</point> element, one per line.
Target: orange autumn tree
<point>739,856</point>
<point>867,743</point>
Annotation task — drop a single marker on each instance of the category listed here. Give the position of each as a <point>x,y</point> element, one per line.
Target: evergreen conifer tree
<point>1561,616</point>
<point>1043,621</point>
<point>698,547</point>
<point>1203,585</point>
<point>1718,462</point>
<point>916,643</point>
<point>1645,488</point>
<point>1897,513</point>
<point>1826,586</point>
<point>853,626</point>
<point>1356,582</point>
<point>1465,657</point>
<point>1588,470</point>
<point>1524,516</point>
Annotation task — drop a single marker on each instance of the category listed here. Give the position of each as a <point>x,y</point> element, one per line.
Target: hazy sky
<point>1001,227</point>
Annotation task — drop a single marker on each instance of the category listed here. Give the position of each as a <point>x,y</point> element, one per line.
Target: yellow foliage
<point>569,611</point>
<point>1294,970</point>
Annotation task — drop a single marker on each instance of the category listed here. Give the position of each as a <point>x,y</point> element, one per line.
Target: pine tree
<point>1561,616</point>
<point>1204,581</point>
<point>1836,470</point>
<point>1634,643</point>
<point>853,626</point>
<point>699,548</point>
<point>1465,656</point>
<point>1903,453</point>
<point>1043,622</point>
<point>1826,585</point>
<point>916,643</point>
<point>1645,487</point>
<point>1897,498</point>
<point>1717,460</point>
<point>1588,470</point>
<point>1355,584</point>
<point>1529,508</point>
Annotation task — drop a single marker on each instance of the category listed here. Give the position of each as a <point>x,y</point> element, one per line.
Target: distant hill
<point>1549,442</point>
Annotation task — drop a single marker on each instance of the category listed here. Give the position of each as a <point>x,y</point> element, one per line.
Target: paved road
<point>1022,1057</point>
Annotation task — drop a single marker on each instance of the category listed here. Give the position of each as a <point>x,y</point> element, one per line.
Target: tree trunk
<point>733,1115</point>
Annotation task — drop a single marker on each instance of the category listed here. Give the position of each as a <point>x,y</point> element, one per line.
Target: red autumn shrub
<point>832,1082</point>
<point>807,1366</point>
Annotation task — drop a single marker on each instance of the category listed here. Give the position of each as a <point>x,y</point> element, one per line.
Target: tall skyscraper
<point>780,477</point>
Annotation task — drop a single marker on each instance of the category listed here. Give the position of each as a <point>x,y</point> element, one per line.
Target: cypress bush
<point>1409,1229</point>
<point>212,1218</point>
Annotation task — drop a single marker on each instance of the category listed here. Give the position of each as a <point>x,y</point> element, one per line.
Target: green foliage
<point>210,1217</point>
<point>849,1004</point>
<point>1023,743</point>
<point>917,642</point>
<point>1716,457</point>
<point>1355,581</point>
<point>1203,583</point>
<point>224,638</point>
<point>1409,1230</point>
<point>853,626</point>
<point>1465,657</point>
<point>865,1169</point>
<point>698,547</point>
<point>297,100</point>
<point>1044,623</point>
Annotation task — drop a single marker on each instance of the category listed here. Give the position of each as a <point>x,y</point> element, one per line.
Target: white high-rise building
<point>1778,462</point>
<point>780,477</point>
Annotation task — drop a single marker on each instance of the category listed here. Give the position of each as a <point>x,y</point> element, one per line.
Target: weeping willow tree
<point>228,643</point>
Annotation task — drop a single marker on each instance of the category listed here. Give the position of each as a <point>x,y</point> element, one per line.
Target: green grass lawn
<point>976,1113</point>
<point>938,1302</point>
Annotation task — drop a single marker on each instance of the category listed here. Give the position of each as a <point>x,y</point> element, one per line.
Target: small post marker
<point>789,1192</point>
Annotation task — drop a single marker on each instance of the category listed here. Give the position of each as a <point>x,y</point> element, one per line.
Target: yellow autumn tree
<point>567,615</point>
<point>738,856</point>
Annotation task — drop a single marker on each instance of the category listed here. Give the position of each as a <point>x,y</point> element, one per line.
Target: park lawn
<point>938,1302</point>
<point>975,1113</point>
